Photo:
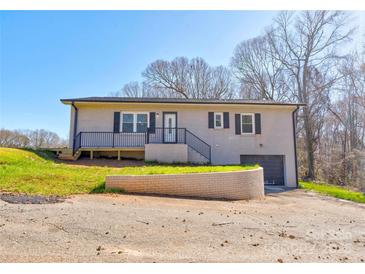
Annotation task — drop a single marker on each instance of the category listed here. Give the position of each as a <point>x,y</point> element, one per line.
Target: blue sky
<point>48,55</point>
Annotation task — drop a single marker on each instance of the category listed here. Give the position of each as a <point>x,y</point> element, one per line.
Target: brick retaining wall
<point>234,185</point>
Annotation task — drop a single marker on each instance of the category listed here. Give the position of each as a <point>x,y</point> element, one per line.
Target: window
<point>127,122</point>
<point>170,125</point>
<point>218,120</point>
<point>142,122</point>
<point>247,123</point>
<point>134,122</point>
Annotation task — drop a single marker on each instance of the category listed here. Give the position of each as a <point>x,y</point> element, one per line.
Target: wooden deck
<point>107,149</point>
<point>66,153</point>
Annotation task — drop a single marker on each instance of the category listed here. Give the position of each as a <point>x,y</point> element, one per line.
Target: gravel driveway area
<point>293,226</point>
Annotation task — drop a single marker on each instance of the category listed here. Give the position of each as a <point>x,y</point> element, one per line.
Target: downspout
<point>75,127</point>
<point>295,146</point>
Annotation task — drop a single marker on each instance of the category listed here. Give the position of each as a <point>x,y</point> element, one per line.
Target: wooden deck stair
<point>66,154</point>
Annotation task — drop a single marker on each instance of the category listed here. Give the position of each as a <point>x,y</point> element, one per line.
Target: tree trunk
<point>309,146</point>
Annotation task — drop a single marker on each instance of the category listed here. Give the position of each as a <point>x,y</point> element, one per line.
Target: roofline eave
<point>71,101</point>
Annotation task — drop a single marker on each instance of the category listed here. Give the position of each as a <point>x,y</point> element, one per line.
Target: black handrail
<point>198,145</point>
<point>196,137</point>
<point>179,136</point>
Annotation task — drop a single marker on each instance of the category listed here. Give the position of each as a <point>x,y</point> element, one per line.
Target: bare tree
<point>165,75</point>
<point>222,86</point>
<point>186,78</point>
<point>131,89</point>
<point>30,138</point>
<point>135,89</point>
<point>14,138</point>
<point>347,121</point>
<point>198,74</point>
<point>307,45</point>
<point>260,74</point>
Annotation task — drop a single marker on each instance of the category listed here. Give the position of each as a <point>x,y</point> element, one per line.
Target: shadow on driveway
<point>277,189</point>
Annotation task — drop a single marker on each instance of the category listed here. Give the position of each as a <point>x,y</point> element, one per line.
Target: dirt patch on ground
<point>292,226</point>
<point>29,199</point>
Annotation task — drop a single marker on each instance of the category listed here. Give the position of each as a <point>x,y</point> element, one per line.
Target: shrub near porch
<point>35,172</point>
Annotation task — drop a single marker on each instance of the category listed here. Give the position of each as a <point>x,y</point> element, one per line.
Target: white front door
<point>170,131</point>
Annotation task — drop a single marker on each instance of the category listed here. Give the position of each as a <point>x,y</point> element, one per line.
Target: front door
<point>169,127</point>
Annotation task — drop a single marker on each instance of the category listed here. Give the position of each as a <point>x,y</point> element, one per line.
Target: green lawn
<point>35,172</point>
<point>334,191</point>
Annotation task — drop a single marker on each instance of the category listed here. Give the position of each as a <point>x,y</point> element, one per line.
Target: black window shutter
<point>238,123</point>
<point>210,119</point>
<point>226,119</point>
<point>257,123</point>
<point>116,122</point>
<point>152,122</point>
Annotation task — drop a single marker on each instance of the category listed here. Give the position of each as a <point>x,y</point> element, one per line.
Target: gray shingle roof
<point>175,101</point>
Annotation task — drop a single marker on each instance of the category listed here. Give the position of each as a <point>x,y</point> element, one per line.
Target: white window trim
<point>253,124</point>
<point>215,125</point>
<point>134,119</point>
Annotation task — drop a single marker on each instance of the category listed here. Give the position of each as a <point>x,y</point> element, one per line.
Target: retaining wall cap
<point>192,173</point>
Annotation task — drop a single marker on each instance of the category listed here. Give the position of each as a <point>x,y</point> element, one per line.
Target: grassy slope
<point>334,191</point>
<point>36,173</point>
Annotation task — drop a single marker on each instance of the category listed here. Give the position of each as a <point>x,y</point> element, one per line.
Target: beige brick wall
<point>234,185</point>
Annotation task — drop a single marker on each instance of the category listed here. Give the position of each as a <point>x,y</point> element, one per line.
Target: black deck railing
<point>139,139</point>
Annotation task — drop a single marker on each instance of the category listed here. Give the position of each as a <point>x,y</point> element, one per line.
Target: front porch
<point>119,142</point>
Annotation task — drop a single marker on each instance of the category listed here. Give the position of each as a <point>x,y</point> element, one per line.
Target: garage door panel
<point>273,166</point>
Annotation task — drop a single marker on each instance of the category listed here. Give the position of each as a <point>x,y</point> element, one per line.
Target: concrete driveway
<point>292,226</point>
